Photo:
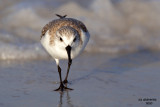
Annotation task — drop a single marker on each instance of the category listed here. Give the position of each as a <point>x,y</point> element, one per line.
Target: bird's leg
<point>61,87</point>
<point>69,64</point>
<point>61,84</point>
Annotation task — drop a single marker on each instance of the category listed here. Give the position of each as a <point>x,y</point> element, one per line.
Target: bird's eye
<point>60,39</point>
<point>74,39</point>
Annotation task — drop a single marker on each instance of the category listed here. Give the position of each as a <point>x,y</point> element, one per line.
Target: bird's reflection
<point>60,99</point>
<point>65,99</point>
<point>69,102</point>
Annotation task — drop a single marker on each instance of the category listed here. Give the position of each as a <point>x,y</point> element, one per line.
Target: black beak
<point>68,49</point>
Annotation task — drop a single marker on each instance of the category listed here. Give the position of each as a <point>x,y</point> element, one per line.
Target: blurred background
<point>115,26</point>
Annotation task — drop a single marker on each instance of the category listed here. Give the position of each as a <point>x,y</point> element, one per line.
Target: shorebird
<point>64,38</point>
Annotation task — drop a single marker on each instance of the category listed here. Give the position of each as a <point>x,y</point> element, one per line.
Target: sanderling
<point>64,38</point>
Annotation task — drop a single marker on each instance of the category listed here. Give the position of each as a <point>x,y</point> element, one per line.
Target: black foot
<point>65,81</point>
<point>62,88</point>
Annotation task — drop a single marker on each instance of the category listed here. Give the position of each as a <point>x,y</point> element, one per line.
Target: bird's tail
<point>61,17</point>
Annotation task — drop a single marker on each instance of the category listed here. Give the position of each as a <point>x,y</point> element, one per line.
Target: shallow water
<point>98,80</point>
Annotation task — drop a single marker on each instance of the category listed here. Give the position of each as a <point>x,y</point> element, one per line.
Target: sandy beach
<point>98,80</point>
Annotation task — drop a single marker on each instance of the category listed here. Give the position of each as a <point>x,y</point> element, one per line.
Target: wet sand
<point>98,80</point>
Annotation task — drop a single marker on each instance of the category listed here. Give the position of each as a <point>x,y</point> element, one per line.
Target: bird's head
<point>68,39</point>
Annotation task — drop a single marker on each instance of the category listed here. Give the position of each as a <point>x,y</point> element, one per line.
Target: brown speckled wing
<point>46,28</point>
